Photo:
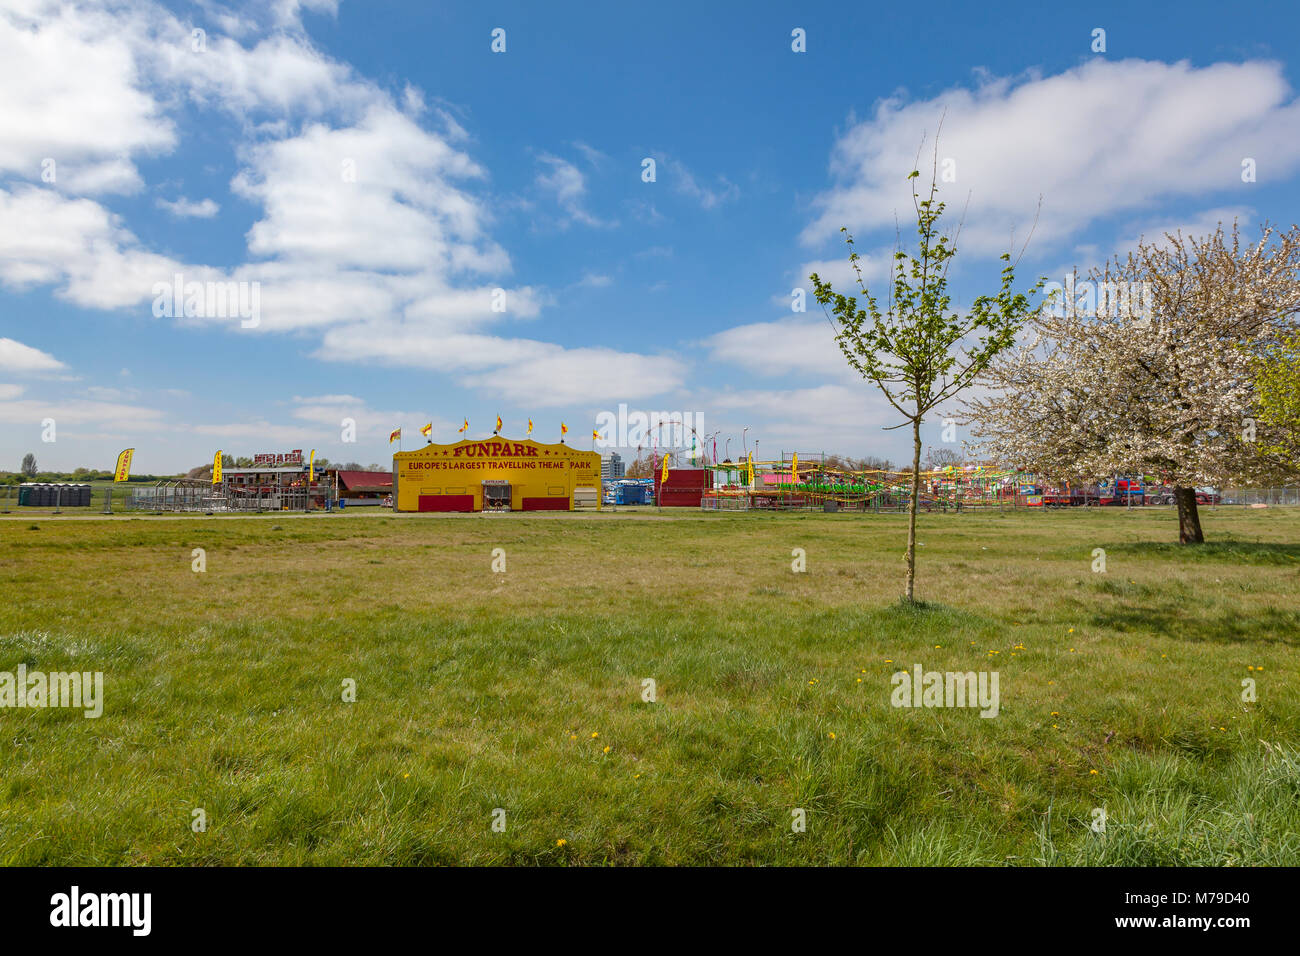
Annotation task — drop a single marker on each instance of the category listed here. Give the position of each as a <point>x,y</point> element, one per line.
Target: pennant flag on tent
<point>530,426</point>
<point>463,428</point>
<point>427,430</point>
<point>395,435</point>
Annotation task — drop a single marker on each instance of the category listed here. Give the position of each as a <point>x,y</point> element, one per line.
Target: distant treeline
<point>80,475</point>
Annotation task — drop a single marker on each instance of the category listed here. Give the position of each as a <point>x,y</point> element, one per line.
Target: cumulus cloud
<point>1101,139</point>
<point>529,371</point>
<point>801,344</point>
<point>370,218</point>
<point>74,128</point>
<point>17,357</point>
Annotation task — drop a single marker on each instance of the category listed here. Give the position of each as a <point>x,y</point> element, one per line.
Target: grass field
<point>523,690</point>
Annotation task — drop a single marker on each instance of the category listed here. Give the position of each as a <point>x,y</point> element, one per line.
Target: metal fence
<point>882,503</point>
<point>201,498</point>
<point>1260,496</point>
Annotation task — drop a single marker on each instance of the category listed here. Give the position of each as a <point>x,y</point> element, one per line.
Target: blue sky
<point>228,159</point>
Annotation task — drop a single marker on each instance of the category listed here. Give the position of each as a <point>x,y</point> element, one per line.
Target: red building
<point>685,487</point>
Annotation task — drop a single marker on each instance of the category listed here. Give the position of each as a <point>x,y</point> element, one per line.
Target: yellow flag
<point>311,468</point>
<point>216,468</point>
<point>123,470</point>
<point>663,479</point>
<point>394,435</point>
<point>530,426</point>
<point>463,428</point>
<point>498,423</point>
<point>749,467</point>
<point>564,429</point>
<point>427,430</point>
<point>595,434</point>
<point>794,469</point>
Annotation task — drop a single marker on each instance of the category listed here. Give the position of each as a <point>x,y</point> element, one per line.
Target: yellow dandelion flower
<point>1092,771</point>
<point>561,842</point>
<point>606,750</point>
<point>832,735</point>
<point>595,734</point>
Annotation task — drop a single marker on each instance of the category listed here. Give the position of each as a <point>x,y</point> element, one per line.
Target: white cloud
<point>1097,140</point>
<point>684,181</point>
<point>568,185</point>
<point>368,231</point>
<point>183,208</point>
<point>69,93</point>
<point>16,357</point>
<point>843,277</point>
<point>847,419</point>
<point>801,344</point>
<point>594,156</point>
<point>376,195</point>
<point>552,376</point>
<point>73,414</point>
<point>531,372</point>
<point>46,238</point>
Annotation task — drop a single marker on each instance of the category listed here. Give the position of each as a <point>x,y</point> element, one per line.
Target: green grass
<point>478,690</point>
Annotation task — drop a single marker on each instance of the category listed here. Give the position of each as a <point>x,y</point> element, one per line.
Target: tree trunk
<point>911,515</point>
<point>1189,519</point>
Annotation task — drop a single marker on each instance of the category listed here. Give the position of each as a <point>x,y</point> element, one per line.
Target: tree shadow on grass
<point>1225,552</point>
<point>1268,625</point>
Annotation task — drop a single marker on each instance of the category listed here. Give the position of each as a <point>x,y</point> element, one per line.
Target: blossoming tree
<point>1158,376</point>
